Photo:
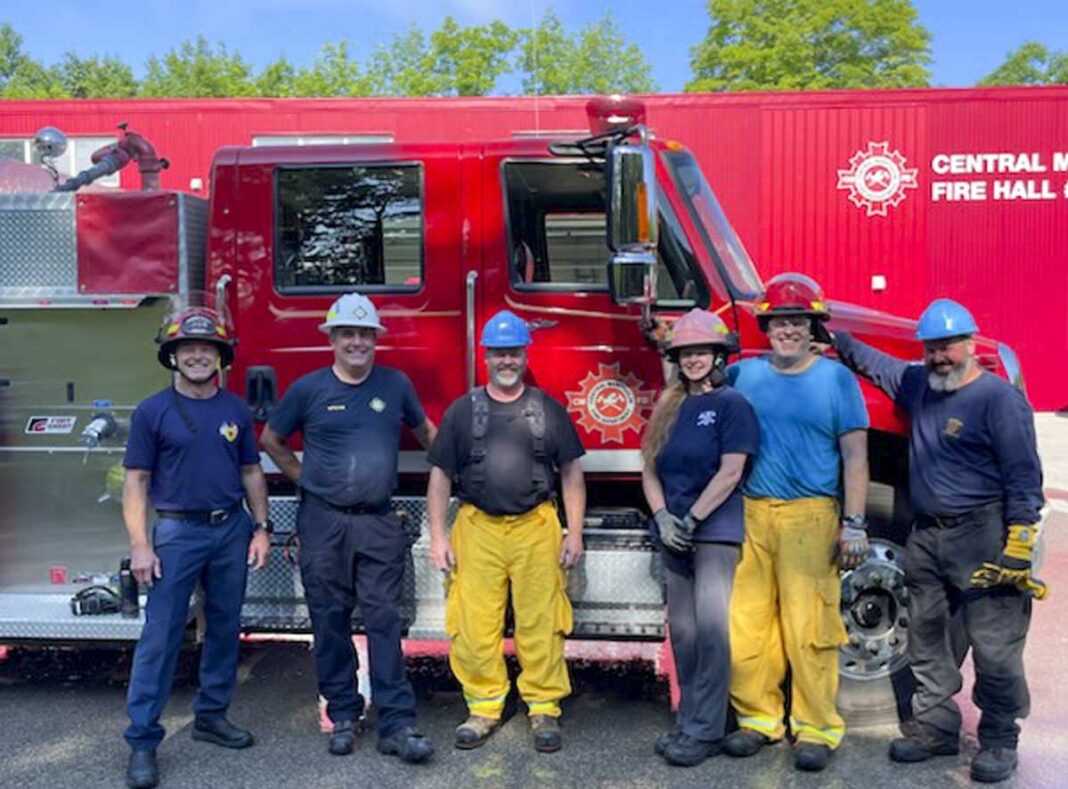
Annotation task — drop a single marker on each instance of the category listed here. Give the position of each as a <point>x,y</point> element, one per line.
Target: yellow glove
<point>1020,544</point>
<point>991,575</point>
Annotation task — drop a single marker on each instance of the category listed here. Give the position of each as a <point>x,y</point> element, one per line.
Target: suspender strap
<point>533,413</point>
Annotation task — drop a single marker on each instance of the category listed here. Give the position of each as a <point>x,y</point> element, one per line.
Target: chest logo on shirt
<point>378,405</point>
<point>611,403</point>
<point>953,427</point>
<point>706,418</point>
<point>338,407</point>
<point>228,430</point>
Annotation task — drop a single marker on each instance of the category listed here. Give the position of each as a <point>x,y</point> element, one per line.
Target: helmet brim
<point>326,327</point>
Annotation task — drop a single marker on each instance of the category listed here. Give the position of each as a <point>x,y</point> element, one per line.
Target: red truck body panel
<point>945,221</point>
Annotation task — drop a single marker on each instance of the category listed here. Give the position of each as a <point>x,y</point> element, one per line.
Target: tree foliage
<point>1031,63</point>
<point>96,77</point>
<point>597,59</point>
<point>811,44</point>
<point>197,69</point>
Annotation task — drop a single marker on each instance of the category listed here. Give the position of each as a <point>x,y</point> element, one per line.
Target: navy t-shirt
<point>708,426</point>
<point>967,448</point>
<point>192,470</point>
<point>351,432</point>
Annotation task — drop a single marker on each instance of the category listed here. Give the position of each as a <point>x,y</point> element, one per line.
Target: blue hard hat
<point>945,318</point>
<point>505,330</point>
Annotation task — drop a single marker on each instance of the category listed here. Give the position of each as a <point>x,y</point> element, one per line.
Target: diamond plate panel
<point>38,253</point>
<point>47,617</point>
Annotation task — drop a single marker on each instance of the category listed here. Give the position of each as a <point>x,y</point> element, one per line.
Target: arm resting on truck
<point>144,564</point>
<point>284,457</point>
<point>882,369</point>
<point>573,489</point>
<point>438,490</point>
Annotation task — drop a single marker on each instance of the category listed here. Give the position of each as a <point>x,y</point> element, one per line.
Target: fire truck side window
<point>343,226</point>
<point>556,225</point>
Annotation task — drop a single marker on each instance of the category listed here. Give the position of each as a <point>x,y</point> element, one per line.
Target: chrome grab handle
<point>472,278</point>
<point>220,303</point>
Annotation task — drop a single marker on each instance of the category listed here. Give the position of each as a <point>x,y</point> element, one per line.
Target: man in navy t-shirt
<point>352,546</point>
<point>975,482</point>
<point>192,454</point>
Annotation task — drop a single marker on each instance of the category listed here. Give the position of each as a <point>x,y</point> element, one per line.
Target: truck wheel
<point>876,682</point>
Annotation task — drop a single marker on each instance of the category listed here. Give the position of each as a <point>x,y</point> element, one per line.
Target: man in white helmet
<point>352,546</point>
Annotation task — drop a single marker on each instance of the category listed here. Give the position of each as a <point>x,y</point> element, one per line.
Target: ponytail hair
<point>662,421</point>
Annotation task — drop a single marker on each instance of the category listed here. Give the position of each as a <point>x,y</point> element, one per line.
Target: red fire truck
<point>586,239</point>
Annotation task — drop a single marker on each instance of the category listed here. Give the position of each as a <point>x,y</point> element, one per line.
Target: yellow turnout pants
<point>785,609</point>
<point>493,551</point>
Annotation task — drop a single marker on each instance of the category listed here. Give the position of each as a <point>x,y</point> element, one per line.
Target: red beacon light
<point>613,113</point>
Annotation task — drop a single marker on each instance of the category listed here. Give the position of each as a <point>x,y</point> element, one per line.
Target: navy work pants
<point>698,598</point>
<point>345,558</point>
<point>939,562</point>
<point>189,551</point>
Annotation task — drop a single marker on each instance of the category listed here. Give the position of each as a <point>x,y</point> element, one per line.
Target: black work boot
<point>687,751</point>
<point>221,732</point>
<point>665,739</point>
<point>744,742</point>
<point>991,765</point>
<point>812,757</point>
<point>142,773</point>
<point>342,739</point>
<point>546,729</point>
<point>408,744</point>
<point>920,744</point>
<point>474,732</point>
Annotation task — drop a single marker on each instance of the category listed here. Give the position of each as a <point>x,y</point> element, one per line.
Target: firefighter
<point>352,545</point>
<point>785,605</point>
<point>695,452</point>
<point>975,484</point>
<point>503,444</point>
<point>192,454</point>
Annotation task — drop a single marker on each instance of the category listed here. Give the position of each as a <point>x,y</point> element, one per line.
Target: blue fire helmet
<point>945,318</point>
<point>505,330</point>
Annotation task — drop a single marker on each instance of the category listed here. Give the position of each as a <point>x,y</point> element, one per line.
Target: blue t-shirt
<point>801,418</point>
<point>192,470</point>
<point>967,448</point>
<point>351,432</point>
<point>708,426</point>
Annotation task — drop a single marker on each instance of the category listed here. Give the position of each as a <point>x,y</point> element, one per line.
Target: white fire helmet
<point>352,309</point>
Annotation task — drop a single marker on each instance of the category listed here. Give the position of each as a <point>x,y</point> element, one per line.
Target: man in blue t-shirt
<point>352,546</point>
<point>975,483</point>
<point>192,455</point>
<point>785,604</point>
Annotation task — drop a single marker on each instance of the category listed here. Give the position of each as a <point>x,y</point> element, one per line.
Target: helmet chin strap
<point>716,376</point>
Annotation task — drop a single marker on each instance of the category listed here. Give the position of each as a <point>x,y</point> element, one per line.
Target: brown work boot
<point>546,729</point>
<point>474,732</point>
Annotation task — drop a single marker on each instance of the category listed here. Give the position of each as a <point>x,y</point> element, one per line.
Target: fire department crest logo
<point>610,403</point>
<point>228,430</point>
<point>877,178</point>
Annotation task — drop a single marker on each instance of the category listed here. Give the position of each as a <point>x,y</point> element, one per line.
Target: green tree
<point>470,60</point>
<point>1031,63</point>
<point>197,69</point>
<point>94,77</point>
<point>597,59</point>
<point>334,73</point>
<point>22,77</point>
<point>407,67</point>
<point>277,79</point>
<point>811,44</point>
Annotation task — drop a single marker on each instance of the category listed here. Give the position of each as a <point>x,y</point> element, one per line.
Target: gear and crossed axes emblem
<point>877,178</point>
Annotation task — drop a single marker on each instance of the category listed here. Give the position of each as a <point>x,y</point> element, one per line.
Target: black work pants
<point>939,562</point>
<point>345,558</point>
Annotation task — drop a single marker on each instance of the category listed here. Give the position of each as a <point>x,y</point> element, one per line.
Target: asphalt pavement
<point>62,716</point>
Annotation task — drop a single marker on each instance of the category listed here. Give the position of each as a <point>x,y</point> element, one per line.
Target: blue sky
<point>970,37</point>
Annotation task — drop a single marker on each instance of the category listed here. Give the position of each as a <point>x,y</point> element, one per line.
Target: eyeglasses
<point>799,322</point>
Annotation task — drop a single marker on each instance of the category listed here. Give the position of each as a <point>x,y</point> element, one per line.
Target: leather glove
<point>853,547</point>
<point>672,531</point>
<point>1013,568</point>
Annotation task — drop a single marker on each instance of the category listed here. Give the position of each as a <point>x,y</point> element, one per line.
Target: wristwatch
<point>267,526</point>
<point>855,521</point>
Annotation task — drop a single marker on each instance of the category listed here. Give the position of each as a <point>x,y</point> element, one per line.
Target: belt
<point>953,521</point>
<point>214,517</point>
<point>354,509</point>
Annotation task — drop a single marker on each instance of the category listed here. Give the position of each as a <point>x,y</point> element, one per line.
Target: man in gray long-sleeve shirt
<point>976,489</point>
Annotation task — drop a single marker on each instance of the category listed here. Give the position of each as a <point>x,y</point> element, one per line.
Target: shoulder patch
<point>229,431</point>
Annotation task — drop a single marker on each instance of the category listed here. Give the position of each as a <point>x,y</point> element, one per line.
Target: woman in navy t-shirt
<point>696,451</point>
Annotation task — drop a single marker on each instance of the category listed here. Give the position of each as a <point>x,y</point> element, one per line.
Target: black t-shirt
<point>508,486</point>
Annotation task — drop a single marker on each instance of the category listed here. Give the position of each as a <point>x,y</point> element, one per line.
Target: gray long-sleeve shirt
<point>967,448</point>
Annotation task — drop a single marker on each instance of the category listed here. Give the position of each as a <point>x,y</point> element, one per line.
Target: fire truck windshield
<point>726,248</point>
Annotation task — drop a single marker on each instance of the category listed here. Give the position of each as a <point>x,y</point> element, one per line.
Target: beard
<point>505,378</point>
<point>950,381</point>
